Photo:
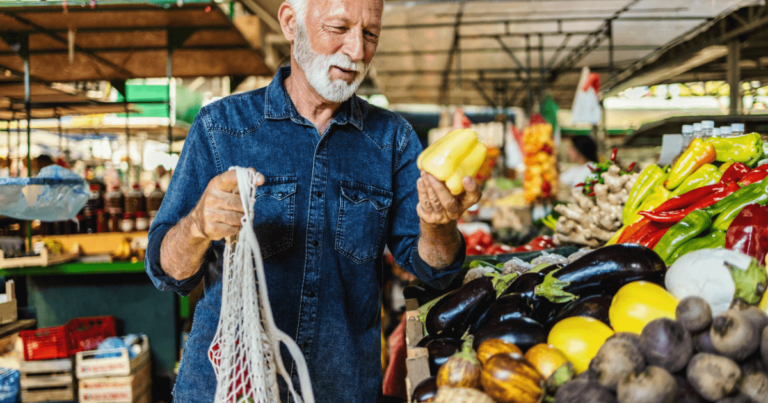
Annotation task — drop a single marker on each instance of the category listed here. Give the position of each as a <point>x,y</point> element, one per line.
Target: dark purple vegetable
<point>595,306</point>
<point>440,350</point>
<point>425,391</point>
<point>425,340</point>
<point>685,392</point>
<point>603,272</point>
<point>522,332</point>
<point>506,307</point>
<point>453,314</point>
<point>524,284</point>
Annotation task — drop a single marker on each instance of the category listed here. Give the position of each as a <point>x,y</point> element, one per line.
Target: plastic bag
<point>56,194</point>
<point>9,385</point>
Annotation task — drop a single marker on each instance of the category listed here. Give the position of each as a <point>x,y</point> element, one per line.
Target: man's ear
<point>287,17</point>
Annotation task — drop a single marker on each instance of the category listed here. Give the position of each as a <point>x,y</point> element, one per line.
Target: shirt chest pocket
<point>362,221</point>
<point>275,214</point>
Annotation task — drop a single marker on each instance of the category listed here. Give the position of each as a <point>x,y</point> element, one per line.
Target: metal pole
<point>610,48</point>
<point>734,77</point>
<point>169,75</point>
<point>528,72</point>
<point>541,67</point>
<point>28,107</point>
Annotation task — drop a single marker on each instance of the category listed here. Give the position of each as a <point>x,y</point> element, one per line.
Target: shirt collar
<point>278,104</point>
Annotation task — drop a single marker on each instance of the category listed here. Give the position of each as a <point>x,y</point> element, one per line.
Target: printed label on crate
<point>91,368</point>
<point>106,395</point>
<point>106,383</point>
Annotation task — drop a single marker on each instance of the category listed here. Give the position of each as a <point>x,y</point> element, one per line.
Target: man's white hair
<point>300,7</point>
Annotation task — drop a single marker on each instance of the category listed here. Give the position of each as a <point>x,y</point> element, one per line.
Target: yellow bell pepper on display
<point>636,304</point>
<point>451,158</point>
<point>579,338</point>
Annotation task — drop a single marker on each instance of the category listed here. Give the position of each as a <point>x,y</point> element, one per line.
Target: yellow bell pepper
<point>451,158</point>
<point>638,303</point>
<point>579,338</point>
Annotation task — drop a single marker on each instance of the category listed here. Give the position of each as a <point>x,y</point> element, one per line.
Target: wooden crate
<point>89,366</point>
<point>47,381</point>
<point>44,259</point>
<point>417,358</point>
<point>117,389</point>
<point>8,309</point>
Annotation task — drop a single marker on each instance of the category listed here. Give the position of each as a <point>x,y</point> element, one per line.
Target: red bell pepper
<point>677,215</point>
<point>538,243</point>
<point>688,198</point>
<point>754,176</point>
<point>475,250</point>
<point>747,232</point>
<point>735,172</point>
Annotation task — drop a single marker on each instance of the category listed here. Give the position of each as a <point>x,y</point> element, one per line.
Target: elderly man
<point>338,181</point>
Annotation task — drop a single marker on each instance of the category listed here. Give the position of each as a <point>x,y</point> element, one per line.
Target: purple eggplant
<point>440,350</point>
<point>594,306</point>
<point>425,390</point>
<point>453,314</point>
<point>506,307</point>
<point>603,271</point>
<point>525,284</point>
<point>523,332</point>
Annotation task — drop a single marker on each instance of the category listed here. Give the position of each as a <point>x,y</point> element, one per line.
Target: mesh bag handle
<point>245,352</point>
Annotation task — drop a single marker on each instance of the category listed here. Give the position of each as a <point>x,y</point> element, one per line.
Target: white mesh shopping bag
<point>245,352</point>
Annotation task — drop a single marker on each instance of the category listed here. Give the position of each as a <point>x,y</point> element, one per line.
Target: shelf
<point>14,327</point>
<point>76,268</point>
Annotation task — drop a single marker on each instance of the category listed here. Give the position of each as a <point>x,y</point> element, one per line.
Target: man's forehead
<point>350,5</point>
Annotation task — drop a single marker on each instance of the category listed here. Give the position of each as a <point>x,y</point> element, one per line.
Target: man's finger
<point>231,218</point>
<point>423,196</point>
<point>220,231</point>
<point>226,182</point>
<point>444,195</point>
<point>434,201</point>
<point>225,201</point>
<point>472,193</point>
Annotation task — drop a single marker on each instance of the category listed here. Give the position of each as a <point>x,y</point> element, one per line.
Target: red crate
<point>63,341</point>
<point>87,333</point>
<point>45,344</point>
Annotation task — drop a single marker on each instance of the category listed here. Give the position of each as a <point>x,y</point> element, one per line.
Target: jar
<point>102,221</point>
<point>142,222</point>
<point>135,200</point>
<point>95,200</point>
<point>128,223</point>
<point>154,200</point>
<point>113,201</point>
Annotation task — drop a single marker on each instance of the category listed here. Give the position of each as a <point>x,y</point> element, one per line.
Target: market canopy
<point>118,41</point>
<point>493,53</point>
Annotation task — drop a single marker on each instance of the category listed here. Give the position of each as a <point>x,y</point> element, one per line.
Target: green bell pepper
<point>757,195</point>
<point>692,225</point>
<point>650,178</point>
<point>713,240</point>
<point>707,174</point>
<point>740,149</point>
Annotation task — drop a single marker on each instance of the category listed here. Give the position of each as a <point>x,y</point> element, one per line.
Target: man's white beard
<point>317,69</point>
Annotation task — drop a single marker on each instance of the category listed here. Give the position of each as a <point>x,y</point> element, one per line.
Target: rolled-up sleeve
<point>196,167</point>
<point>403,239</point>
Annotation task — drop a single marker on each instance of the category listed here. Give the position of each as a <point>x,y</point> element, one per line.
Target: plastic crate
<point>45,344</point>
<point>87,333</point>
<point>63,341</point>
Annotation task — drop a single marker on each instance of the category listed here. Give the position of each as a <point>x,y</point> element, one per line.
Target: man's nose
<point>355,45</point>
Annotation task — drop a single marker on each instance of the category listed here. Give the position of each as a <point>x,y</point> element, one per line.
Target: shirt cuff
<point>438,278</point>
<point>159,277</point>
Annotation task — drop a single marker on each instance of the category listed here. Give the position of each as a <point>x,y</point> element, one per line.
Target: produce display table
<point>61,292</point>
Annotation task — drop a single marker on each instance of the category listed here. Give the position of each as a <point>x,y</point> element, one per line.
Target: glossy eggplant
<point>525,284</point>
<point>506,307</point>
<point>425,391</point>
<point>440,350</point>
<point>594,306</point>
<point>522,332</point>
<point>603,271</point>
<point>425,340</point>
<point>453,314</point>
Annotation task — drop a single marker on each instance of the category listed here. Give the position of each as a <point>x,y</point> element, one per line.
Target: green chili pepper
<point>650,178</point>
<point>713,240</point>
<point>707,174</point>
<point>692,225</point>
<point>720,206</point>
<point>724,219</point>
<point>740,148</point>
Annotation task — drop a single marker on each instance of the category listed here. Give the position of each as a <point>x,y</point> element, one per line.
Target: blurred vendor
<point>582,151</point>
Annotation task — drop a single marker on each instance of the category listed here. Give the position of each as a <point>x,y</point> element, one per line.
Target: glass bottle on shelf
<point>687,134</point>
<point>725,131</point>
<point>707,128</point>
<point>696,130</point>
<point>737,129</point>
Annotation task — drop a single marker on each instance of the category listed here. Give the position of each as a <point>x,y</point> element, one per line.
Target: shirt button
<point>319,194</point>
<point>315,243</point>
<point>280,194</point>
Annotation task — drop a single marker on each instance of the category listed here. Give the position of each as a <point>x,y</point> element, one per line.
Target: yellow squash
<point>579,338</point>
<point>451,158</point>
<point>636,304</point>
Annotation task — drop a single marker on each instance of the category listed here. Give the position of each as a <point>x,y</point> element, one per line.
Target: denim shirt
<point>328,207</point>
